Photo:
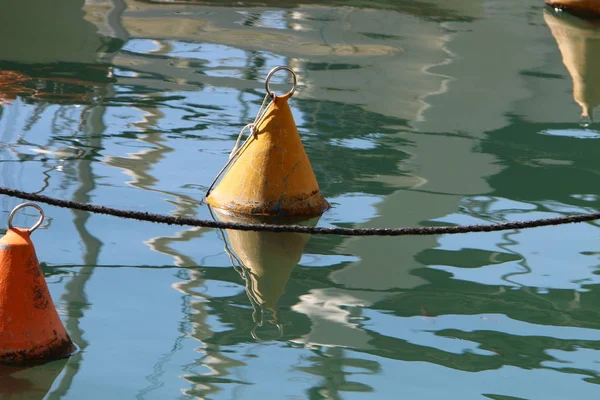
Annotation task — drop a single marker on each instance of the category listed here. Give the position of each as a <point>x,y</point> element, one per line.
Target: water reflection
<point>54,53</point>
<point>55,69</point>
<point>215,366</point>
<point>408,117</point>
<point>579,43</point>
<point>265,261</point>
<point>335,367</point>
<point>32,383</point>
<point>449,10</point>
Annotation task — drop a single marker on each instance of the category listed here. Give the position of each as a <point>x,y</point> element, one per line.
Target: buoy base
<point>309,205</point>
<point>233,216</point>
<point>55,350</point>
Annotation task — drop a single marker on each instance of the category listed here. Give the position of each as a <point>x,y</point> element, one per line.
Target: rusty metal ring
<point>23,205</point>
<point>272,72</point>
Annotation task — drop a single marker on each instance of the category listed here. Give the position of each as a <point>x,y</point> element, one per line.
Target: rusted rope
<point>402,231</point>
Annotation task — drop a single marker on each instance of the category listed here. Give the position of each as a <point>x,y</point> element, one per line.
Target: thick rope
<point>402,231</point>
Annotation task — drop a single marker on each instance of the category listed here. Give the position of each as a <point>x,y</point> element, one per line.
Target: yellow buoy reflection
<point>579,43</point>
<point>265,261</point>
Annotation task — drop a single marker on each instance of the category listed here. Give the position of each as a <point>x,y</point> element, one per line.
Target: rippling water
<point>437,112</point>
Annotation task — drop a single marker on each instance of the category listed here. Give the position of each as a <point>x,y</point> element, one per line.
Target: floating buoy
<point>270,174</point>
<point>578,7</point>
<point>579,44</point>
<point>267,260</point>
<point>30,328</point>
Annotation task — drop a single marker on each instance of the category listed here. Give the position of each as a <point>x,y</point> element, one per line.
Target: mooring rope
<point>401,231</point>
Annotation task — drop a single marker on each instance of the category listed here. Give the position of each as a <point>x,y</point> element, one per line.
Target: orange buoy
<point>581,7</point>
<point>30,328</point>
<point>267,260</point>
<point>579,44</point>
<point>271,174</point>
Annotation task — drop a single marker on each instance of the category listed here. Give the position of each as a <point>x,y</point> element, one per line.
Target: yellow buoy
<point>267,260</point>
<point>270,174</point>
<point>579,44</point>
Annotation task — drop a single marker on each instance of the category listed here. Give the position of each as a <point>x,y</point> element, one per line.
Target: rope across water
<point>401,231</point>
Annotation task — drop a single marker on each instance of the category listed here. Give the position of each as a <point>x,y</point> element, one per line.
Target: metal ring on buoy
<point>270,74</point>
<point>259,339</point>
<point>23,205</point>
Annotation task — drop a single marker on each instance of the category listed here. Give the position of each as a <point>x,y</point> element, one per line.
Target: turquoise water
<point>437,112</point>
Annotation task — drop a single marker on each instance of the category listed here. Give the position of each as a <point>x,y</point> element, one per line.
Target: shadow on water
<point>32,383</point>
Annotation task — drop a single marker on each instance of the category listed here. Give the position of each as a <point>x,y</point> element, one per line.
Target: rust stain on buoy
<point>272,174</point>
<point>30,329</point>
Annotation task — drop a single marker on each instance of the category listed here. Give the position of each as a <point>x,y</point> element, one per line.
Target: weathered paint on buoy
<point>269,257</point>
<point>579,44</point>
<point>30,328</point>
<point>272,174</point>
<point>577,6</point>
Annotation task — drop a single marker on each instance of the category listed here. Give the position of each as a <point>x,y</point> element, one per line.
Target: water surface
<point>428,112</point>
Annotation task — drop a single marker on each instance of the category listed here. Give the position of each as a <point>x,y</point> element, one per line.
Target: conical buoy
<point>579,7</point>
<point>579,44</point>
<point>271,174</point>
<point>267,258</point>
<point>30,328</point>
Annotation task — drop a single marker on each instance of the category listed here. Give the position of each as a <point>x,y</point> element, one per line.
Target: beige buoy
<point>270,174</point>
<point>267,260</point>
<point>579,44</point>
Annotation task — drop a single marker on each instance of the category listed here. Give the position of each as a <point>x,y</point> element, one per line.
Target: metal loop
<point>23,205</point>
<point>272,72</point>
<point>260,339</point>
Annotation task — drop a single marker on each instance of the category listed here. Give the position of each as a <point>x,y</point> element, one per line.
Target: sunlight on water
<point>574,133</point>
